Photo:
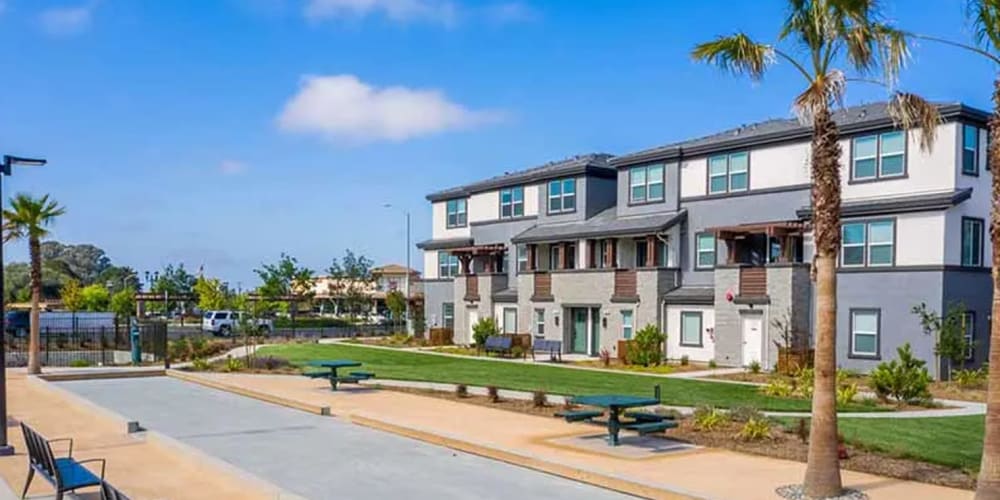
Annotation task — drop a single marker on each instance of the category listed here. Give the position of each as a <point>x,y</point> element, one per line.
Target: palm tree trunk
<point>823,469</point>
<point>34,341</point>
<point>988,485</point>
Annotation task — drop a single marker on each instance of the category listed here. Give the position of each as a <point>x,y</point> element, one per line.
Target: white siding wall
<point>484,206</point>
<point>430,264</point>
<point>978,206</point>
<point>694,176</point>
<point>673,330</point>
<point>531,199</point>
<point>778,166</point>
<point>934,171</point>
<point>439,224</point>
<point>920,239</point>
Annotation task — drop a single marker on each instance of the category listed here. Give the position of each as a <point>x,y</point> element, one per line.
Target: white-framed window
<point>972,241</point>
<point>705,246</point>
<point>448,315</point>
<point>865,326</point>
<point>691,329</point>
<point>510,320</point>
<point>969,327</point>
<point>447,265</point>
<point>878,156</point>
<point>728,173</point>
<point>522,258</point>
<point>554,251</point>
<point>970,150</point>
<point>512,202</point>
<point>457,215</point>
<point>540,322</point>
<point>640,252</point>
<point>868,243</point>
<point>562,196</point>
<point>570,250</point>
<point>628,325</point>
<point>646,184</point>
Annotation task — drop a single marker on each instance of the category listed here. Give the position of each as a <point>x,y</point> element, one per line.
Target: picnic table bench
<point>645,416</point>
<point>335,379</point>
<point>498,344</point>
<point>643,422</point>
<point>649,427</point>
<point>64,473</point>
<point>579,415</point>
<point>552,347</point>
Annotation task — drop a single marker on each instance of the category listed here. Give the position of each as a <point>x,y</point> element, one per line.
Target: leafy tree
<point>82,262</point>
<point>95,298</point>
<point>123,303</point>
<point>948,332</point>
<point>396,302</point>
<point>828,43</point>
<point>352,282</point>
<point>72,296</point>
<point>647,347</point>
<point>119,278</point>
<point>484,329</point>
<point>29,218</point>
<point>172,281</point>
<point>212,294</point>
<point>286,278</point>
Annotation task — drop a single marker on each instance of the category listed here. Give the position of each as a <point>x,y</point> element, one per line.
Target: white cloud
<point>66,21</point>
<point>442,11</point>
<point>343,108</point>
<point>232,167</point>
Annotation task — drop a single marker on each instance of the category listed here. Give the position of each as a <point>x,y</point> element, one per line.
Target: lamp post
<point>5,169</point>
<point>409,320</point>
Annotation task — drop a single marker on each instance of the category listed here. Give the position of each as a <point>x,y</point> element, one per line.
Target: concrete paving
<point>318,457</point>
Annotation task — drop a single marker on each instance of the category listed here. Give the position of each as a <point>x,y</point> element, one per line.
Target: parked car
<point>224,323</point>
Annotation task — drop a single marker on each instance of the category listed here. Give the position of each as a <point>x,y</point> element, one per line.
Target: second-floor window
<point>522,258</point>
<point>456,213</point>
<point>512,202</point>
<point>562,196</point>
<point>705,247</point>
<point>646,184</point>
<point>447,265</point>
<point>878,156</point>
<point>970,150</point>
<point>972,242</point>
<point>870,243</point>
<point>728,173</point>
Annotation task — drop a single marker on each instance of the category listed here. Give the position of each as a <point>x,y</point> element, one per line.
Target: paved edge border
<point>268,398</point>
<point>167,441</point>
<point>98,375</point>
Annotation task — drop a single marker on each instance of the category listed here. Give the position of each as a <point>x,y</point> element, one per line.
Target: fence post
<point>104,359</point>
<point>48,344</point>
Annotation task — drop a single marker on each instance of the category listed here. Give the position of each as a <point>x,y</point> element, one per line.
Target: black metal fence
<point>339,332</point>
<point>89,346</point>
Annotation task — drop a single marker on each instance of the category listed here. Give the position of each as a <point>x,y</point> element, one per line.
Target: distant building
<point>328,292</point>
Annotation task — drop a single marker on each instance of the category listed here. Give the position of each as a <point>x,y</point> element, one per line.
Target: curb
<point>267,398</point>
<point>69,377</point>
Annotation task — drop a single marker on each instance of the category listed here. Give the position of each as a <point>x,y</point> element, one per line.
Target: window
<point>512,202</point>
<point>728,173</point>
<point>627,325</point>
<point>970,150</point>
<point>868,243</point>
<point>554,250</point>
<point>691,328</point>
<point>540,322</point>
<point>456,213</point>
<point>646,184</point>
<point>448,315</point>
<point>705,250</point>
<point>865,332</point>
<point>447,265</point>
<point>522,258</point>
<point>640,252</point>
<point>972,242</point>
<point>878,156</point>
<point>510,320</point>
<point>969,327</point>
<point>662,253</point>
<point>570,256</point>
<point>562,196</point>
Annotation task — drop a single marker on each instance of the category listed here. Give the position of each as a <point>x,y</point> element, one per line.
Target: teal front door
<point>579,333</point>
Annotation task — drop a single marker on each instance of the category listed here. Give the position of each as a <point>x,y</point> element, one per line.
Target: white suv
<point>225,322</point>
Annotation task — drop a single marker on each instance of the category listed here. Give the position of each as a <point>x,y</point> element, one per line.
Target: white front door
<point>752,339</point>
<point>473,319</point>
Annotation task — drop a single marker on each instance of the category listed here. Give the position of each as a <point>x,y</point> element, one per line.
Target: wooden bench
<point>650,427</point>
<point>498,344</point>
<point>645,416</point>
<point>66,473</point>
<point>552,347</point>
<point>579,415</point>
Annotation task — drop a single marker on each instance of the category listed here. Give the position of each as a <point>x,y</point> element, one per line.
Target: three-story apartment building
<point>710,240</point>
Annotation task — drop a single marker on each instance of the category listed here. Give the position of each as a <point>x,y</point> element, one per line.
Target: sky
<point>222,133</point>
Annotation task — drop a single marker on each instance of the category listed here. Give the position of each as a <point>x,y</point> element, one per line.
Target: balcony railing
<point>543,286</point>
<point>625,285</point>
<point>753,281</point>
<point>471,288</point>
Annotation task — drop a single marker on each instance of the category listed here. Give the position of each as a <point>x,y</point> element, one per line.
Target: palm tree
<point>29,218</point>
<point>839,41</point>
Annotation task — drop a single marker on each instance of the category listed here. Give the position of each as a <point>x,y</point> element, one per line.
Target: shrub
<point>539,399</point>
<point>493,393</point>
<point>754,367</point>
<point>645,348</point>
<point>200,365</point>
<point>707,418</point>
<point>778,388</point>
<point>605,358</point>
<point>80,363</point>
<point>970,379</point>
<point>712,364</point>
<point>755,429</point>
<point>461,391</point>
<point>685,360</point>
<point>846,394</point>
<point>517,352</point>
<point>904,379</point>
<point>745,414</point>
<point>233,364</point>
<point>300,322</point>
<point>197,346</point>
<point>804,382</point>
<point>802,430</point>
<point>267,363</point>
<point>483,329</point>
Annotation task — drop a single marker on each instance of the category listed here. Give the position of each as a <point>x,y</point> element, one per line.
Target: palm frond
<point>29,217</point>
<point>738,54</point>
<point>985,18</point>
<point>824,92</point>
<point>894,50</point>
<point>910,111</point>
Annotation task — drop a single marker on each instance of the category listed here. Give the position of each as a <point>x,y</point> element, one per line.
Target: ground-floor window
<point>627,324</point>
<point>691,328</point>
<point>448,315</point>
<point>969,327</point>
<point>865,325</point>
<point>540,322</point>
<point>510,320</point>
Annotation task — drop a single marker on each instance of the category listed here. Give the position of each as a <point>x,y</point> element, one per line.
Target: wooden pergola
<point>784,231</point>
<point>492,256</point>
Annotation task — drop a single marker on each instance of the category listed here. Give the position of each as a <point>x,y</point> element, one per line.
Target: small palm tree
<point>28,217</point>
<point>839,41</point>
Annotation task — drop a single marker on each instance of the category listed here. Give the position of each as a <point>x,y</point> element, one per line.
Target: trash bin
<point>136,345</point>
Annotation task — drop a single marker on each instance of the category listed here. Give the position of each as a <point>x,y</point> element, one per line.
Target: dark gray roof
<point>851,119</point>
<point>605,223</point>
<point>444,243</point>
<point>690,295</point>
<point>590,164</point>
<point>938,200</point>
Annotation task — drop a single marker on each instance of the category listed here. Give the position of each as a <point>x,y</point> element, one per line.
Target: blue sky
<point>221,133</point>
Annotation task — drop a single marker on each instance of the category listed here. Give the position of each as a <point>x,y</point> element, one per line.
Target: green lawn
<point>392,364</point>
<point>951,441</point>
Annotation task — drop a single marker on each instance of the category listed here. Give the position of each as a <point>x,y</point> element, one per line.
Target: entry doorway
<point>753,338</point>
<point>473,319</point>
<point>584,330</point>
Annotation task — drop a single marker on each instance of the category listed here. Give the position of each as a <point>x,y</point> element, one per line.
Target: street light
<point>409,321</point>
<point>5,169</point>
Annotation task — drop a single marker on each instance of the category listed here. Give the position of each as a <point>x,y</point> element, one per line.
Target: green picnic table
<point>616,404</point>
<point>333,365</point>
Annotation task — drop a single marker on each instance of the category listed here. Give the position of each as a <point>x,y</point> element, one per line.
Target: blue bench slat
<point>74,475</point>
<point>578,415</point>
<point>646,416</point>
<point>363,374</point>
<point>650,427</point>
<point>347,380</point>
<point>317,374</point>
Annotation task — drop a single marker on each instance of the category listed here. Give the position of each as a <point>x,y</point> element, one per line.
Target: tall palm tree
<point>837,42</point>
<point>28,217</point>
<point>984,16</point>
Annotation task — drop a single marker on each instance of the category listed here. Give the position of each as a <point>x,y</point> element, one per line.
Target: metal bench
<point>645,416</point>
<point>317,374</point>
<point>579,415</point>
<point>498,344</point>
<point>66,473</point>
<point>552,347</point>
<point>109,492</point>
<point>651,427</point>
<point>363,375</point>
